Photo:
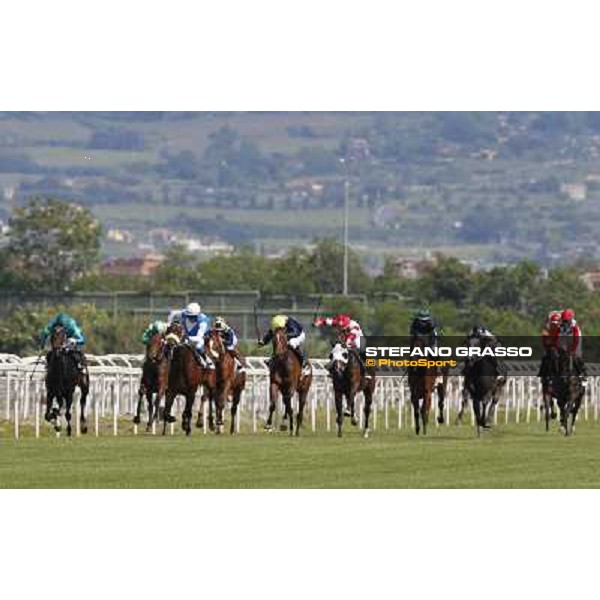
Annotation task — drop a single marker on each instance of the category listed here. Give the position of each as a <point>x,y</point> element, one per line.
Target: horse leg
<point>68,405</point>
<point>273,392</point>
<point>339,411</point>
<point>83,405</point>
<point>141,393</point>
<point>441,398</point>
<point>414,400</point>
<point>167,417</point>
<point>289,411</point>
<point>477,411</point>
<point>50,415</point>
<point>150,405</point>
<point>425,408</point>
<point>352,404</point>
<point>211,411</point>
<point>368,394</point>
<point>200,419</point>
<point>235,400</point>
<point>463,405</point>
<point>302,395</point>
<point>186,417</point>
<point>220,402</point>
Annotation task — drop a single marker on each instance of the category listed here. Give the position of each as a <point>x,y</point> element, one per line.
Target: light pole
<point>346,204</point>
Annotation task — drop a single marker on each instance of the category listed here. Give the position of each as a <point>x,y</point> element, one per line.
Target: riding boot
<point>581,370</point>
<point>241,359</point>
<point>363,367</point>
<point>302,356</point>
<point>207,360</point>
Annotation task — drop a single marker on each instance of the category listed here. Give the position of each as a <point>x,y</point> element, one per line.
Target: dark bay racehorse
<point>484,387</point>
<point>422,382</point>
<point>347,383</point>
<point>229,384</point>
<point>150,382</point>
<point>183,375</point>
<point>566,388</point>
<point>62,377</point>
<point>287,379</point>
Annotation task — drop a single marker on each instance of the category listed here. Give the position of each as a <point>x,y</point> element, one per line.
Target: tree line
<point>55,246</point>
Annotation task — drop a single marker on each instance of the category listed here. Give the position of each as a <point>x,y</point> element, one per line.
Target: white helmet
<point>193,309</point>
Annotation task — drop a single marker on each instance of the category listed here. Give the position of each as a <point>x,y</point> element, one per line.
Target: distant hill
<point>488,186</point>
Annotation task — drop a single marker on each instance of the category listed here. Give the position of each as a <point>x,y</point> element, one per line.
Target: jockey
<point>195,324</point>
<point>295,335</point>
<point>152,329</point>
<point>75,337</point>
<point>350,334</point>
<point>480,337</point>
<point>423,325</point>
<point>230,340</point>
<point>550,331</point>
<point>568,336</point>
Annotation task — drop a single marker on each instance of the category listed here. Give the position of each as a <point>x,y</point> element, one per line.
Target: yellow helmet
<point>278,322</point>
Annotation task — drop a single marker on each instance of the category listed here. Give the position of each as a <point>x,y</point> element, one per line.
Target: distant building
<point>412,267</point>
<point>133,267</point>
<point>574,191</point>
<point>122,236</point>
<point>591,279</point>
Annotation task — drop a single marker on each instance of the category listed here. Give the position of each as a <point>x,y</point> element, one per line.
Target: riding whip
<point>258,336</point>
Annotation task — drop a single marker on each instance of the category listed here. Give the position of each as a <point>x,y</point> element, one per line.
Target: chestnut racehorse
<point>183,375</point>
<point>229,384</point>
<point>287,379</point>
<point>422,382</point>
<point>347,383</point>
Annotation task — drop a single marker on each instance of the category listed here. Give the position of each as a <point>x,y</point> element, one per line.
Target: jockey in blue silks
<point>195,324</point>
<point>230,339</point>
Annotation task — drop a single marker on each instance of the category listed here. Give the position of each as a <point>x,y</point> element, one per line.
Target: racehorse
<point>287,379</point>
<point>422,381</point>
<point>548,364</point>
<point>347,383</point>
<point>566,388</point>
<point>229,384</point>
<point>62,377</point>
<point>484,386</point>
<point>183,375</point>
<point>150,382</point>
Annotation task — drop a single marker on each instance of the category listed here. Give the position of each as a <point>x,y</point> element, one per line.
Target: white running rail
<point>114,393</point>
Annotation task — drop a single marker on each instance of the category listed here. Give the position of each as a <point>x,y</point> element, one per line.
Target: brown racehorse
<point>229,384</point>
<point>347,383</point>
<point>150,381</point>
<point>183,375</point>
<point>287,379</point>
<point>62,377</point>
<point>422,382</point>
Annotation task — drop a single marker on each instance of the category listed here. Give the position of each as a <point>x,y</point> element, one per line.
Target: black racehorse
<point>567,388</point>
<point>483,385</point>
<point>63,376</point>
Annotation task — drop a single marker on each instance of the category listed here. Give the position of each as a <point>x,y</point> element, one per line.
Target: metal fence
<point>115,378</point>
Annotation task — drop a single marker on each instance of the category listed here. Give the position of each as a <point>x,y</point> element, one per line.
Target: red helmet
<point>568,315</point>
<point>342,321</point>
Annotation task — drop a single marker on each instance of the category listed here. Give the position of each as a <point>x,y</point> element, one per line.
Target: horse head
<point>174,334</point>
<point>154,348</point>
<point>280,342</point>
<point>339,357</point>
<point>215,347</point>
<point>58,338</point>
